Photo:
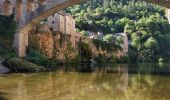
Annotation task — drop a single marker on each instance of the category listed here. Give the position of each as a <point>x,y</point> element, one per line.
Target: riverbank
<point>21,65</point>
<point>18,65</point>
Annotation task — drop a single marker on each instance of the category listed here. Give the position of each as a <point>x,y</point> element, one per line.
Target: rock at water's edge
<point>21,65</point>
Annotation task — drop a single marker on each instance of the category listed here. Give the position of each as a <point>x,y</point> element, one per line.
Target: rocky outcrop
<point>21,65</point>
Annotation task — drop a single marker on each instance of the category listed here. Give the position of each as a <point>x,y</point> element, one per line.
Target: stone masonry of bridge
<point>30,12</point>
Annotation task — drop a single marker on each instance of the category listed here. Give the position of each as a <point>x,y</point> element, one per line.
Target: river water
<point>107,82</point>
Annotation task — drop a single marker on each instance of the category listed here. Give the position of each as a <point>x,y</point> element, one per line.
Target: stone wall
<point>62,22</point>
<point>53,22</point>
<point>64,47</point>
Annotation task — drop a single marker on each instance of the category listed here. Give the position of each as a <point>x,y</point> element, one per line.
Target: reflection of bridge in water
<point>31,12</point>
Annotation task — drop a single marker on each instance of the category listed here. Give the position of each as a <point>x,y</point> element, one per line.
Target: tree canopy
<point>146,25</point>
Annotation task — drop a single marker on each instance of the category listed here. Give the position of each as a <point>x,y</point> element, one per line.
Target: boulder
<point>22,65</point>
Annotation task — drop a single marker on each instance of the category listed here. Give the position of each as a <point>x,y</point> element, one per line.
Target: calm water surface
<point>114,82</point>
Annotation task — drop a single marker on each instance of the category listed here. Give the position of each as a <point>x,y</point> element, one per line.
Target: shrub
<point>36,57</point>
<point>124,59</point>
<point>114,59</point>
<point>21,65</point>
<point>100,59</point>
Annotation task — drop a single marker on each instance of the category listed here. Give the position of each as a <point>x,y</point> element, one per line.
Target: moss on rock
<point>22,65</point>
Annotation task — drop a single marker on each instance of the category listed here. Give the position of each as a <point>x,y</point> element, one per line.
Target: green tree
<point>151,43</point>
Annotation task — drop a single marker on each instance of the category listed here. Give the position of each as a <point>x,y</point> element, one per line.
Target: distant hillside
<point>145,23</point>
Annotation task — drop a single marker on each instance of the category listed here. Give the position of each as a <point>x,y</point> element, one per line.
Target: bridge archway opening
<point>7,8</point>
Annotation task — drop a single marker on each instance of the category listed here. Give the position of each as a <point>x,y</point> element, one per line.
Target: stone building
<point>53,22</point>
<point>70,24</point>
<point>62,22</point>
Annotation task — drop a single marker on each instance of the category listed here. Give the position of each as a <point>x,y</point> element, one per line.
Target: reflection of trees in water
<point>85,86</point>
<point>113,83</point>
<point>142,84</point>
<point>143,77</point>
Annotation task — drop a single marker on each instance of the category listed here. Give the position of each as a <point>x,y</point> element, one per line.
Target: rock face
<point>60,46</point>
<point>21,65</point>
<point>66,47</point>
<point>44,42</point>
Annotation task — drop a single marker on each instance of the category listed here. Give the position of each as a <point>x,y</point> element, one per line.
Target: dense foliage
<point>7,29</point>
<point>7,25</point>
<point>145,23</point>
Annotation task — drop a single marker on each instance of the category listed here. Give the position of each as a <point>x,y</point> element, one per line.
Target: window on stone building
<point>53,22</point>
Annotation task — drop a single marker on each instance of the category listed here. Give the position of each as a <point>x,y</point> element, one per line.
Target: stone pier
<point>20,43</point>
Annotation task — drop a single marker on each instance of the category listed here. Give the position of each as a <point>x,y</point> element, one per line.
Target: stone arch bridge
<point>30,12</point>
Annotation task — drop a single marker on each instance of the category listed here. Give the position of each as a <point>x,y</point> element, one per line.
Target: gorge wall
<point>65,47</point>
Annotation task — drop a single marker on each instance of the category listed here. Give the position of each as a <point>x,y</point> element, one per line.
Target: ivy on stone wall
<point>103,44</point>
<point>85,50</point>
